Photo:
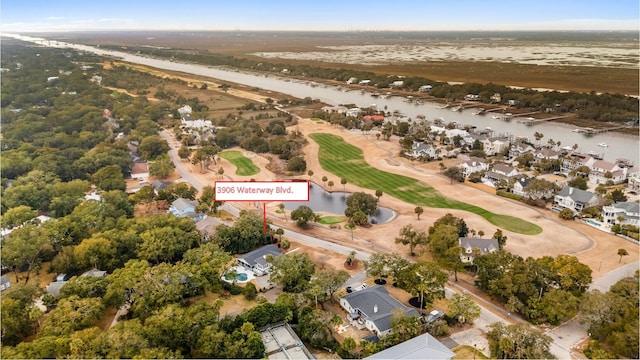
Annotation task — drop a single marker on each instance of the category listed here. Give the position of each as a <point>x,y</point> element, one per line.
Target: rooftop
<point>424,346</point>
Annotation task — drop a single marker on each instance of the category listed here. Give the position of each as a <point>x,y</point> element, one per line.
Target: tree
<point>184,152</point>
<point>621,253</point>
<point>423,279</point>
<point>538,188</point>
<point>454,173</point>
<point>303,215</point>
<point>452,260</point>
<point>463,309</point>
<point>207,202</point>
<point>442,167</point>
<point>566,214</point>
<point>343,181</point>
<point>109,178</point>
<point>361,201</point>
<point>418,210</point>
<point>500,238</point>
<point>284,212</point>
<point>442,239</point>
<point>292,271</point>
<point>16,323</point>
<point>152,146</point>
<point>310,173</point>
<point>378,194</point>
<point>166,244</point>
<point>72,314</point>
<point>409,236</point>
<point>617,195</point>
<point>162,167</point>
<point>324,180</point>
<point>518,341</point>
<point>17,216</point>
<point>330,184</point>
<point>578,182</point>
<point>330,281</point>
<point>377,265</point>
<point>97,253</point>
<point>296,164</point>
<point>24,248</point>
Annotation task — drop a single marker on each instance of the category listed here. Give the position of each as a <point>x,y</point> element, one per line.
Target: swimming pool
<point>593,222</point>
<point>239,277</point>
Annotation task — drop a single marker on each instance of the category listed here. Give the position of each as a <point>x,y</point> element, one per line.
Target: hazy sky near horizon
<point>327,15</point>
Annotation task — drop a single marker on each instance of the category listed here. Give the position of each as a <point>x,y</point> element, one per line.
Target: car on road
<point>349,289</point>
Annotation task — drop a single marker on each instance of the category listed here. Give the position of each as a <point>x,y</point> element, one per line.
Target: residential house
<point>575,199</point>
<point>474,164</point>
<point>519,185</point>
<point>500,172</point>
<point>397,84</point>
<point>422,150</point>
<point>520,148</point>
<point>256,260</point>
<point>624,213</point>
<point>497,98</point>
<point>546,154</point>
<point>574,160</point>
<point>376,307</point>
<point>159,185</point>
<point>140,171</point>
<point>353,112</point>
<point>54,287</point>
<point>484,245</point>
<point>335,109</point>
<point>494,146</point>
<point>602,171</point>
<point>425,88</point>
<point>352,80</point>
<point>472,97</point>
<point>208,226</point>
<point>634,181</point>
<point>5,282</point>
<point>186,208</point>
<point>95,273</point>
<point>364,82</point>
<point>423,346</point>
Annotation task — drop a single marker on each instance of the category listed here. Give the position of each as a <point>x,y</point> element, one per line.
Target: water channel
<point>618,145</point>
<point>335,203</point>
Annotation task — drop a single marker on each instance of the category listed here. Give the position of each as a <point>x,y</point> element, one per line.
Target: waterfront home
<point>352,80</point>
<point>574,160</point>
<point>375,307</point>
<point>575,199</point>
<point>472,97</point>
<point>474,164</point>
<point>546,154</point>
<point>494,146</point>
<point>623,213</point>
<point>335,109</point>
<point>634,182</point>
<point>397,84</point>
<point>425,88</point>
<point>519,148</point>
<point>602,171</point>
<point>485,246</point>
<point>353,112</point>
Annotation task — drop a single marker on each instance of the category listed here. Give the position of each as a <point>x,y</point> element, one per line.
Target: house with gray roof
<point>95,273</point>
<point>424,346</point>
<point>186,208</point>
<point>624,213</point>
<point>256,260</point>
<point>484,245</point>
<point>376,307</point>
<point>5,282</point>
<point>54,287</point>
<point>422,150</point>
<point>519,185</point>
<point>575,199</point>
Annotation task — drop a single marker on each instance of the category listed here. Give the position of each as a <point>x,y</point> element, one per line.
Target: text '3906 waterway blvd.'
<point>262,190</point>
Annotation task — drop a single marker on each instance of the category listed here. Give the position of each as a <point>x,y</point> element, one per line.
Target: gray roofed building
<point>376,307</point>
<point>484,245</point>
<point>54,287</point>
<point>622,213</point>
<point>95,273</point>
<point>5,282</point>
<point>424,346</point>
<point>256,260</point>
<point>575,199</point>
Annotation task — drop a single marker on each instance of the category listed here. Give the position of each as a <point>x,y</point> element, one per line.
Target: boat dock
<point>537,121</point>
<point>592,131</point>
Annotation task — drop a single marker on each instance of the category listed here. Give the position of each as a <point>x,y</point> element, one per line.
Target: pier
<point>530,122</point>
<point>592,131</point>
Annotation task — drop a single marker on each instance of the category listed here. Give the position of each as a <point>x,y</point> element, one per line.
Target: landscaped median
<point>244,165</point>
<point>346,161</point>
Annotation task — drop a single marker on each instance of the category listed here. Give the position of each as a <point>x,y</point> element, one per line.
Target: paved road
<point>605,281</point>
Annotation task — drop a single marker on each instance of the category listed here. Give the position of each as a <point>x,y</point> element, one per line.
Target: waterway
<point>336,203</point>
<point>619,145</point>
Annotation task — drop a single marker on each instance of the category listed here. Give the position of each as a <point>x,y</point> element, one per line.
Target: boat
<point>603,144</point>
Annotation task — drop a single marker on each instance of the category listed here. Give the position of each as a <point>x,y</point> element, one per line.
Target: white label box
<point>262,190</point>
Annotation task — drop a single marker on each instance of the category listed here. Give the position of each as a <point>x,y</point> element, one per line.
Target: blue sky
<point>333,15</point>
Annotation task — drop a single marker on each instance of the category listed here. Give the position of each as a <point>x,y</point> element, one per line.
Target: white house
<point>492,147</point>
<point>600,170</point>
<point>500,172</point>
<point>256,260</point>
<point>352,80</point>
<point>628,212</point>
<point>353,112</point>
<point>484,245</point>
<point>519,185</point>
<point>397,84</point>
<point>375,306</point>
<point>423,346</point>
<point>425,88</point>
<point>472,97</point>
<point>634,181</point>
<point>575,199</point>
<point>474,164</point>
<point>422,150</point>
<point>186,208</point>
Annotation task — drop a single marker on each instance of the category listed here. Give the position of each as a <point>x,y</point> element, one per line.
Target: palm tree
<point>310,173</point>
<point>343,181</point>
<point>330,184</point>
<point>378,194</point>
<point>418,210</point>
<point>281,207</point>
<point>621,253</point>
<point>324,180</point>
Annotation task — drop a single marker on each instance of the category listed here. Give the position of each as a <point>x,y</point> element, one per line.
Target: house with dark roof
<point>484,245</point>
<point>624,213</point>
<point>422,150</point>
<point>519,185</point>
<point>424,346</point>
<point>54,287</point>
<point>575,199</point>
<point>256,260</point>
<point>95,273</point>
<point>376,307</point>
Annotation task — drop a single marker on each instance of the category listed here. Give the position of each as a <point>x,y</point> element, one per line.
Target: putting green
<point>244,165</point>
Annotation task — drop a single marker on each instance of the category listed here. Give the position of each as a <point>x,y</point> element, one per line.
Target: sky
<point>21,16</point>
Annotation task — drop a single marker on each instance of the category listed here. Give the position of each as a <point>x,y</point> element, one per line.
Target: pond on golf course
<point>335,203</point>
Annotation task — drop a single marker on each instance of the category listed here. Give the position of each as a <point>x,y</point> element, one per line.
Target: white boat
<point>603,144</point>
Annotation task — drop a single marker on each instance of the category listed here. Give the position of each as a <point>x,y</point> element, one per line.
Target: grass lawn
<point>346,161</point>
<point>467,352</point>
<point>328,220</point>
<point>243,164</point>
